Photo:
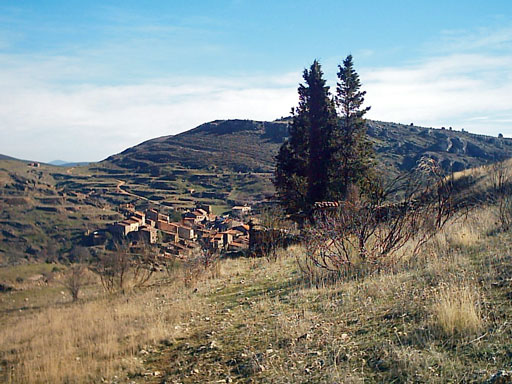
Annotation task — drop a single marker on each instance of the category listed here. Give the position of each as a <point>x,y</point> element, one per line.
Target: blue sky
<point>80,80</point>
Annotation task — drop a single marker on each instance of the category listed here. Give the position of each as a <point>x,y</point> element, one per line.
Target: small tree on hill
<point>74,279</point>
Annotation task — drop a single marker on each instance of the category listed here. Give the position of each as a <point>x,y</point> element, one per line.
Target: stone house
<point>154,215</point>
<point>186,233</point>
<point>148,235</point>
<point>139,216</point>
<point>241,210</point>
<point>168,227</point>
<point>197,215</point>
<point>125,227</point>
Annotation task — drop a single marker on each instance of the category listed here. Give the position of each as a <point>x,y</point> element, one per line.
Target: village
<point>198,229</point>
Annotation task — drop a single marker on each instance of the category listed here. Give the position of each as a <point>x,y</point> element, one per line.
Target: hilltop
<point>250,146</point>
<point>232,161</point>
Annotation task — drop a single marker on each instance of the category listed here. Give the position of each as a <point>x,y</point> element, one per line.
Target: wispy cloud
<point>470,40</point>
<point>466,82</point>
<point>66,107</point>
<point>44,120</point>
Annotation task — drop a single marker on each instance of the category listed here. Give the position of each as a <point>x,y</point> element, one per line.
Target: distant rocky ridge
<point>250,146</point>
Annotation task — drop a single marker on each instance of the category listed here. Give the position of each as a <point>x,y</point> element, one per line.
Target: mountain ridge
<point>250,146</point>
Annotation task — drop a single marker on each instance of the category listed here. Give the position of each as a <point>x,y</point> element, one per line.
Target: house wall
<point>169,227</point>
<point>186,233</point>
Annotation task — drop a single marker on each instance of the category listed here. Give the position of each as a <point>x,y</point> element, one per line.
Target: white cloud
<point>45,114</point>
<point>450,90</point>
<point>46,120</point>
<point>482,38</point>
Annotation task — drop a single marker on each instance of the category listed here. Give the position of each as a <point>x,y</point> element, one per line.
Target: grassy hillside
<point>46,209</point>
<point>442,317</point>
<point>41,220</point>
<point>231,161</point>
<point>250,147</point>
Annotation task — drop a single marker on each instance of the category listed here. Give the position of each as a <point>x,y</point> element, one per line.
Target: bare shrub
<point>364,232</point>
<point>501,185</point>
<point>457,311</point>
<point>504,212</point>
<point>500,177</point>
<point>79,254</point>
<point>121,269</point>
<point>272,229</point>
<point>74,279</point>
<point>202,262</point>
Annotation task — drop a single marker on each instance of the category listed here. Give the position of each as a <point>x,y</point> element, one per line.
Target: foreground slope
<point>444,316</point>
<point>253,321</point>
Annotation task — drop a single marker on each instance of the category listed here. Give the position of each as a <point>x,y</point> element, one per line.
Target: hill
<point>46,209</point>
<point>250,146</point>
<point>41,220</point>
<point>5,157</point>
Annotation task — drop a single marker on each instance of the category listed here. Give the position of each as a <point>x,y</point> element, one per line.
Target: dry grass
<point>257,321</point>
<point>92,340</point>
<point>457,310</point>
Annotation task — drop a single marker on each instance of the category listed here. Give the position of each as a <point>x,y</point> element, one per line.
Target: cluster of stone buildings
<point>197,228</point>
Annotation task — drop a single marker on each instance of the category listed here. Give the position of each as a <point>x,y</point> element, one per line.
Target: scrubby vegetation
<point>441,316</point>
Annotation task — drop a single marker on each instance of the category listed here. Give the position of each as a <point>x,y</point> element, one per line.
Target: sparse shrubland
<point>441,316</point>
<point>370,232</point>
<point>99,337</point>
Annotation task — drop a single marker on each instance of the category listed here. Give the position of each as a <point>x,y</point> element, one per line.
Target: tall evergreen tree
<point>352,153</point>
<point>326,151</point>
<point>322,122</point>
<point>300,177</point>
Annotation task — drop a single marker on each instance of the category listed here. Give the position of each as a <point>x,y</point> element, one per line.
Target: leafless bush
<point>500,178</point>
<point>201,262</point>
<point>79,254</point>
<point>122,268</point>
<point>365,231</point>
<point>272,229</point>
<point>502,190</point>
<point>504,212</point>
<point>74,279</point>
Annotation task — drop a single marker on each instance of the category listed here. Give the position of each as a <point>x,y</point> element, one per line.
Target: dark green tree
<point>327,151</point>
<point>300,177</point>
<point>352,157</point>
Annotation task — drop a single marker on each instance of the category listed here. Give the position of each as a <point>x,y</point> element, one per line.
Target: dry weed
<point>92,340</point>
<point>457,311</point>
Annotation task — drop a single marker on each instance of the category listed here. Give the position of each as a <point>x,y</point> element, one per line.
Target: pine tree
<point>352,153</point>
<point>300,177</point>
<point>326,151</point>
<point>322,122</point>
